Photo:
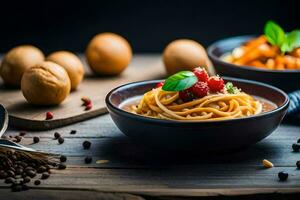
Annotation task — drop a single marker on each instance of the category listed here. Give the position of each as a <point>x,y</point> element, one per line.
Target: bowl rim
<point>214,45</point>
<point>110,106</point>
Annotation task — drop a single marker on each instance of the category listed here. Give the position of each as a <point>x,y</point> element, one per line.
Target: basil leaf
<point>180,81</point>
<point>292,41</point>
<point>285,47</point>
<point>274,33</point>
<point>230,88</point>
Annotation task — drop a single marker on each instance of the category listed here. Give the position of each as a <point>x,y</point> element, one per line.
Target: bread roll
<point>17,60</point>
<point>72,65</point>
<point>46,83</point>
<point>108,54</point>
<point>185,54</point>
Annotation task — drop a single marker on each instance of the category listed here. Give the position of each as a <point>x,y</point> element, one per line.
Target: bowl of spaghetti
<point>197,112</point>
<point>267,58</point>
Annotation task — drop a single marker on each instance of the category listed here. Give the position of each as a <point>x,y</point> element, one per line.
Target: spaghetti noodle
<point>161,104</point>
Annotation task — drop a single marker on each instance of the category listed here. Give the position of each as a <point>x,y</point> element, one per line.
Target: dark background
<point>148,25</point>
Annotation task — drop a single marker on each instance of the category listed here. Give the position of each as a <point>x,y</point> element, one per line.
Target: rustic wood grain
<point>108,143</point>
<point>135,169</point>
<point>24,115</point>
<point>66,194</point>
<point>143,172</point>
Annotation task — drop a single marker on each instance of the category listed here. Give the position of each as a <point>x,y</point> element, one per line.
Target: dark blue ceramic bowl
<point>206,136</point>
<point>287,80</point>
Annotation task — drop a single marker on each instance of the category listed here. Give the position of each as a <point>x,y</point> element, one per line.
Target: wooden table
<point>132,172</point>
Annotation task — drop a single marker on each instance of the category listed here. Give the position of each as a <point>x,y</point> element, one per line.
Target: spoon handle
<point>9,144</point>
<point>3,120</point>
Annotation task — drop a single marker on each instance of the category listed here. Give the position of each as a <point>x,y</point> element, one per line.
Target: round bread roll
<point>72,65</point>
<point>17,60</point>
<point>108,54</point>
<point>185,54</point>
<point>46,83</point>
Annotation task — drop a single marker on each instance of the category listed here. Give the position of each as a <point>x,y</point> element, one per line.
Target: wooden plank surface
<point>24,115</point>
<point>132,171</point>
<point>135,169</point>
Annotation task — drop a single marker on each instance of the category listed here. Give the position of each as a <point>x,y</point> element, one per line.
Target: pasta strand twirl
<point>167,105</point>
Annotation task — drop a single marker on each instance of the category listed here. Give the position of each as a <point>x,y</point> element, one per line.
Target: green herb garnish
<point>285,41</point>
<point>180,81</point>
<point>230,88</point>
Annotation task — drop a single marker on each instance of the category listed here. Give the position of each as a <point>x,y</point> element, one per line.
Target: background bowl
<point>287,80</point>
<point>207,136</point>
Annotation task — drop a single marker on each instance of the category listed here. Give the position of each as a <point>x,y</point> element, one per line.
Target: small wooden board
<point>26,116</point>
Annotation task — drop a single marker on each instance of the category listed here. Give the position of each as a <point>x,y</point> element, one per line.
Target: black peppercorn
<point>31,173</point>
<point>10,173</point>
<point>3,174</point>
<point>36,139</point>
<point>45,175</point>
<point>62,166</point>
<point>9,180</point>
<point>26,179</point>
<point>41,169</point>
<point>56,135</point>
<point>19,171</point>
<point>86,144</point>
<point>18,138</point>
<point>73,132</point>
<point>61,140</point>
<point>88,160</point>
<point>283,176</point>
<point>37,182</point>
<point>296,147</point>
<point>63,158</point>
<point>22,133</point>
<point>298,164</point>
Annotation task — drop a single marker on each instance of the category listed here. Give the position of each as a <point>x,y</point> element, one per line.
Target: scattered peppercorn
<point>26,179</point>
<point>19,171</point>
<point>36,139</point>
<point>56,135</point>
<point>37,182</point>
<point>296,147</point>
<point>298,164</point>
<point>61,140</point>
<point>41,169</point>
<point>86,144</point>
<point>63,158</point>
<point>62,166</point>
<point>9,180</point>
<point>73,132</point>
<point>88,160</point>
<point>89,106</point>
<point>45,175</point>
<point>22,133</point>
<point>283,176</point>
<point>10,173</point>
<point>3,174</point>
<point>86,101</point>
<point>18,168</point>
<point>49,115</point>
<point>18,138</point>
<point>31,173</point>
